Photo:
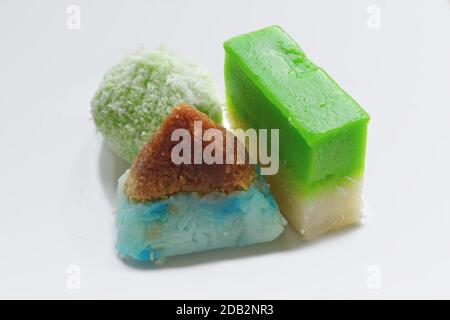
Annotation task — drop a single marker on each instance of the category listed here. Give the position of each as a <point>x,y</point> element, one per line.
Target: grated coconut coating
<point>138,92</point>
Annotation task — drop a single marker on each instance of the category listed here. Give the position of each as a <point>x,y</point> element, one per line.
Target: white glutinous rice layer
<point>328,209</point>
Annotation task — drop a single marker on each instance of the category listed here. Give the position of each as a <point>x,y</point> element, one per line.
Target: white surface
<point>58,180</point>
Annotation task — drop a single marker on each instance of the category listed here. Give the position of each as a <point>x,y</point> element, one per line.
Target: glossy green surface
<point>271,84</point>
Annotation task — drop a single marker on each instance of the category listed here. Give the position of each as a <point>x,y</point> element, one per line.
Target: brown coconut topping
<point>154,175</point>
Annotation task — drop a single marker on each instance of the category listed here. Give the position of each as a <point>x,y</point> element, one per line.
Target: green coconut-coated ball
<point>139,92</point>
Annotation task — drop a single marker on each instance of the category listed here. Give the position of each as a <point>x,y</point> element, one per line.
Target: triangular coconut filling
<point>156,172</point>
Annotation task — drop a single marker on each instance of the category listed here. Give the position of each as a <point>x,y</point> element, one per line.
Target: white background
<point>58,180</point>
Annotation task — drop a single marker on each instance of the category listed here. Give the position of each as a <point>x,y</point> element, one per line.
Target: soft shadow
<point>110,168</point>
<point>289,240</point>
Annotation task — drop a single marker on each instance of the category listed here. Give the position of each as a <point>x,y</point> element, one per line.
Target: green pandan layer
<point>271,84</point>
